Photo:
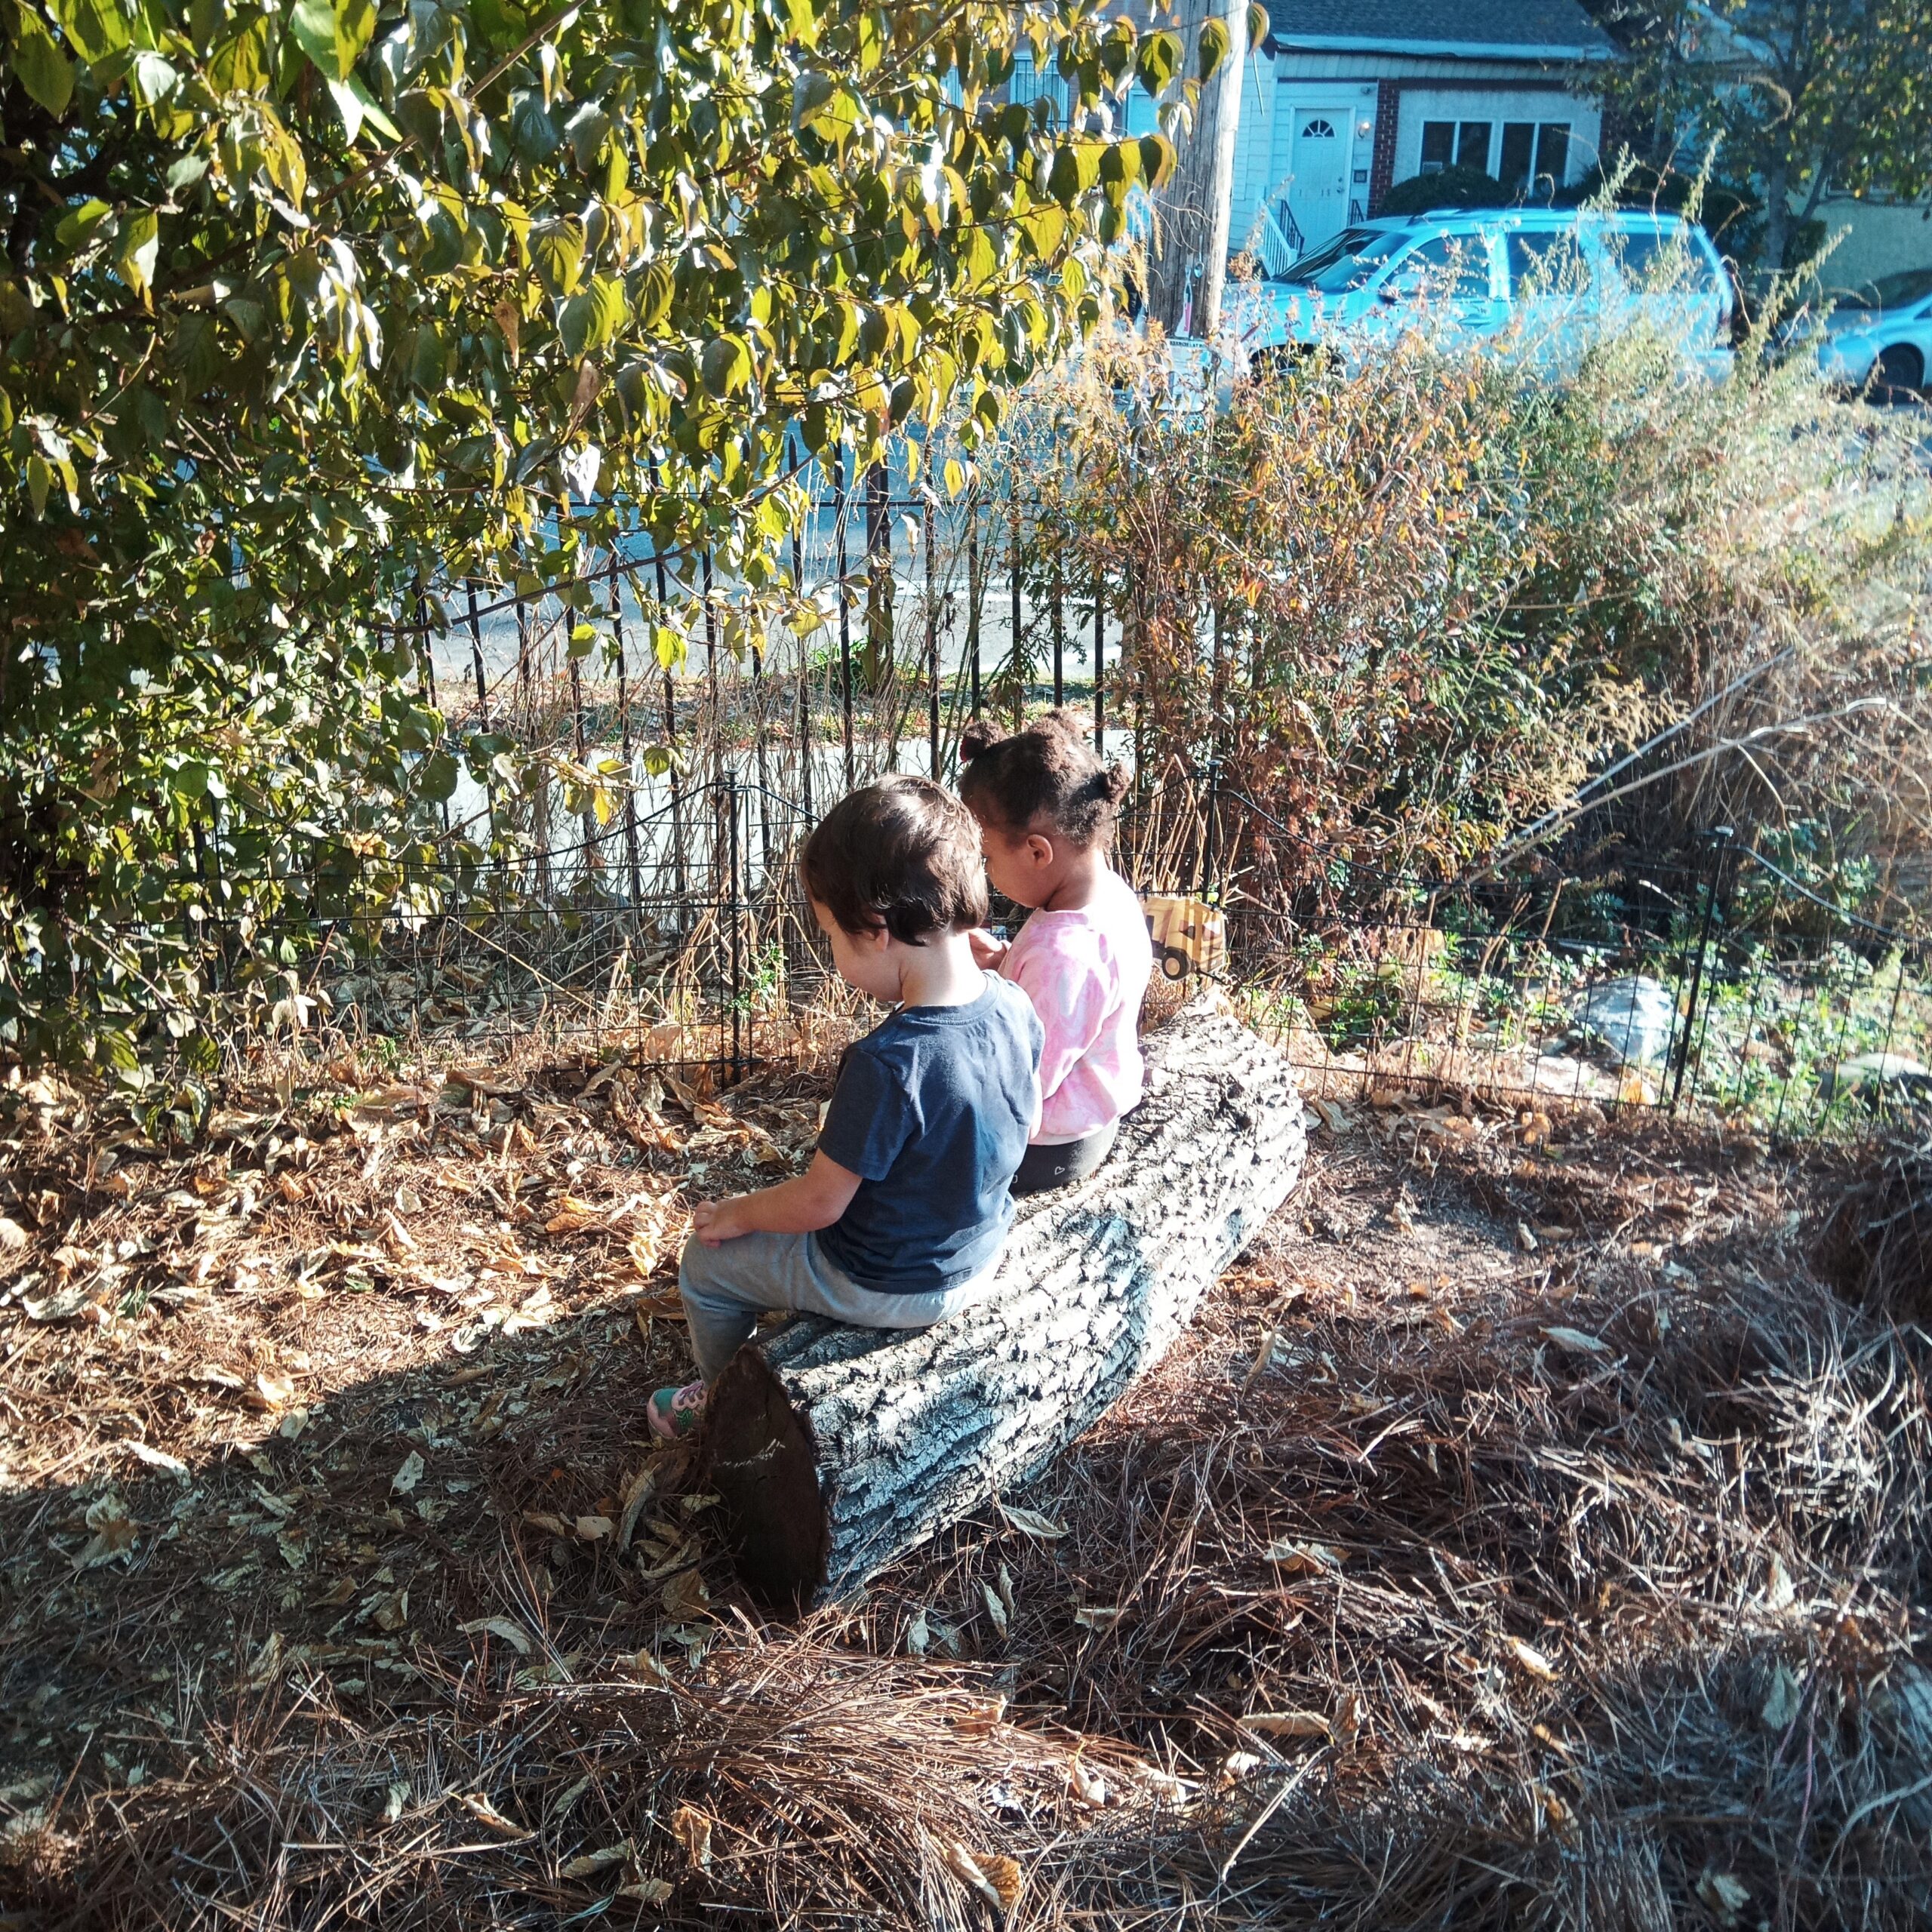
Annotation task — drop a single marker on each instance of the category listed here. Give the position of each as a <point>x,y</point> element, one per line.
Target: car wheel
<point>1899,374</point>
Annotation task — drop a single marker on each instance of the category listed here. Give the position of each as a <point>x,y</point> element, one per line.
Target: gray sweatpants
<point>725,1288</point>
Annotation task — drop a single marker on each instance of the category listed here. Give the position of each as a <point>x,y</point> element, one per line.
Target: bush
<point>1449,187</point>
<point>1410,612</point>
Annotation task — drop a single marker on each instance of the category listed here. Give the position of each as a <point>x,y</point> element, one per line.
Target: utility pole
<point>1190,250</point>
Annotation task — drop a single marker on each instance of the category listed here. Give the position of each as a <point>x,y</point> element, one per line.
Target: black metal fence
<point>628,881</point>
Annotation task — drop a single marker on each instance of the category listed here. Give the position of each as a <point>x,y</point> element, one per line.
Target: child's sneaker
<point>674,1413</point>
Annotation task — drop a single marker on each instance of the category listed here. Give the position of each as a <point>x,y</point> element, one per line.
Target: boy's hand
<point>987,951</point>
<point>716,1221</point>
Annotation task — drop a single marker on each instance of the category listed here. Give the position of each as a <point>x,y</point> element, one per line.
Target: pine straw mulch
<point>1526,1534</point>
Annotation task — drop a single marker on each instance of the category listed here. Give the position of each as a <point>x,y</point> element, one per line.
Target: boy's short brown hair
<point>903,853</point>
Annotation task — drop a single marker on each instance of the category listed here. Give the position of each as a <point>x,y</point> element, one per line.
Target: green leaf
<point>955,476</point>
<point>1156,61</point>
<point>1259,26</point>
<point>1156,160</point>
<point>333,33</point>
<point>669,646</point>
<point>655,287</point>
<point>359,109</point>
<point>78,223</point>
<point>40,480</point>
<point>556,249</point>
<point>46,73</point>
<point>96,28</point>
<point>726,365</point>
<point>437,776</point>
<point>139,243</point>
<point>1213,43</point>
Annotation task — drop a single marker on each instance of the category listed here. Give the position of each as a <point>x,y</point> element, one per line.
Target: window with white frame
<point>1521,154</point>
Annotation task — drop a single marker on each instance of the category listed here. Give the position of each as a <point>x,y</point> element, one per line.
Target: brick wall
<point>1382,161</point>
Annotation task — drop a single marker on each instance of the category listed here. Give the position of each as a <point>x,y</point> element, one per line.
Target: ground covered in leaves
<point>1525,1534</point>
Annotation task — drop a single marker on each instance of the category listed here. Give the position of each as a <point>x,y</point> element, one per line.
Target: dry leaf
<point>273,1390</point>
<point>158,1459</point>
<point>541,1519</point>
<point>114,1531</point>
<point>587,1863</point>
<point>978,1720</point>
<point>686,1597</point>
<point>1780,1593</point>
<point>1097,1617</point>
<point>397,1798</point>
<point>643,1251</point>
<point>1532,1660</point>
<point>480,1808</point>
<point>1287,1724</point>
<point>1295,1559</point>
<point>995,1609</point>
<point>561,1806</point>
<point>693,1831</point>
<point>968,1870</point>
<point>409,1474</point>
<point>1087,1789</point>
<point>13,1236</point>
<point>637,1494</point>
<point>389,1612</point>
<point>1783,1704</point>
<point>652,1891</point>
<point>1526,1238</point>
<point>595,1529</point>
<point>919,1637</point>
<point>1577,1342</point>
<point>1031,1522</point>
<point>1725,1896</point>
<point>512,1632</point>
<point>1351,1715</point>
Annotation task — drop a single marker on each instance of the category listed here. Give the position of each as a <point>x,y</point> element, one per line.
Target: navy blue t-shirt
<point>932,1111</point>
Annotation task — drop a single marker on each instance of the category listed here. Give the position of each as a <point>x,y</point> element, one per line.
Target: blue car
<point>1537,285</point>
<point>1878,339</point>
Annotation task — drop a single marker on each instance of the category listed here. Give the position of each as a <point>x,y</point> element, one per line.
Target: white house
<point>1351,97</point>
<point>1346,97</point>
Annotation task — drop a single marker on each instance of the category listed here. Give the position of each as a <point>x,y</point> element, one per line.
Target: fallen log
<point>834,1450</point>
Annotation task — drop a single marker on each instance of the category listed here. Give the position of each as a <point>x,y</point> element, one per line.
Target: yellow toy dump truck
<point>1190,935</point>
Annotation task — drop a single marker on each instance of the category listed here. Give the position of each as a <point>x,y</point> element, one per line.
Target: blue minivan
<point>1538,285</point>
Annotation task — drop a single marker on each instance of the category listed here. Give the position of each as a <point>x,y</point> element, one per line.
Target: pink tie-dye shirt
<point>1086,972</point>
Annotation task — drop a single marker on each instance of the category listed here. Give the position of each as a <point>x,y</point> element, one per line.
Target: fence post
<point>1059,633</point>
<point>805,657</point>
<point>731,913</point>
<point>624,741</point>
<point>1100,661</point>
<point>1720,837</point>
<point>671,729</point>
<point>839,506</point>
<point>932,639</point>
<point>1013,506</point>
<point>1210,853</point>
<point>975,593</point>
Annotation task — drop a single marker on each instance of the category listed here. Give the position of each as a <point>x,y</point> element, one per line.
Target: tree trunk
<point>835,1450</point>
<point>1193,210</point>
<point>1777,218</point>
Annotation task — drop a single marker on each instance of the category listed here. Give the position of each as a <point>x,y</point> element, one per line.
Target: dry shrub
<point>1410,611</point>
<point>1875,1238</point>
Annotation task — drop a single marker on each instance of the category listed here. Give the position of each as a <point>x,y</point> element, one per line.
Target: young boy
<point>899,1219</point>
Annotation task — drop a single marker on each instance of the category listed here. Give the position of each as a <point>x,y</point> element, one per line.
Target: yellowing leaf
<point>692,1829</point>
<point>1532,1660</point>
<point>1287,1724</point>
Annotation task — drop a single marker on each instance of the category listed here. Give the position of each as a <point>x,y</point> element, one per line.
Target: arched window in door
<point>1318,129</point>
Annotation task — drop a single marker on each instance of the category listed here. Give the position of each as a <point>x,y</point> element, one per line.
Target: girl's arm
<point>814,1200</point>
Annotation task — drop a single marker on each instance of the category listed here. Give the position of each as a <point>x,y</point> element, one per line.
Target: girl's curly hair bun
<point>1046,775</point>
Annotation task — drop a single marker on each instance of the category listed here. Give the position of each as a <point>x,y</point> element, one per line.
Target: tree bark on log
<point>834,1450</point>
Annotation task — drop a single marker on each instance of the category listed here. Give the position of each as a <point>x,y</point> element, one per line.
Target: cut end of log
<point>763,1464</point>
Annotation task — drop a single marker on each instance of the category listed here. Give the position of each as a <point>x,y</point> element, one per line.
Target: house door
<point>1318,196</point>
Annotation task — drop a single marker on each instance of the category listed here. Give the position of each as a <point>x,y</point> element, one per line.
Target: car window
<point>1345,263</point>
<point>1453,265</point>
<point>1892,291</point>
<point>1646,257</point>
<point>1544,262</point>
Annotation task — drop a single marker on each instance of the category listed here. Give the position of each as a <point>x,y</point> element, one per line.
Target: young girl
<point>1046,806</point>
